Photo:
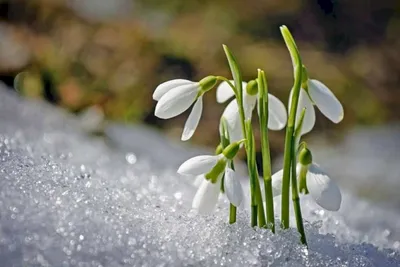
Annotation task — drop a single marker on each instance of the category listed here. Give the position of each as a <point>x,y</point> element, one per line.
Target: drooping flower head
<point>176,96</point>
<point>277,112</point>
<point>314,92</point>
<point>211,169</point>
<point>312,180</point>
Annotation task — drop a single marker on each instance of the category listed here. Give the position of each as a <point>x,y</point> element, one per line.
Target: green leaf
<point>262,94</point>
<point>224,133</point>
<point>236,74</point>
<point>292,47</point>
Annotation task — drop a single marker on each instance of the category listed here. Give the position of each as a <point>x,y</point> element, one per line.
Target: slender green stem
<point>225,141</point>
<point>260,205</point>
<point>296,199</point>
<point>232,213</point>
<point>254,180</point>
<point>266,157</point>
<point>253,218</point>
<point>286,178</point>
<point>256,198</point>
<point>290,126</point>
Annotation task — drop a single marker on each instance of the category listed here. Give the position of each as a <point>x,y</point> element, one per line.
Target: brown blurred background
<point>113,53</point>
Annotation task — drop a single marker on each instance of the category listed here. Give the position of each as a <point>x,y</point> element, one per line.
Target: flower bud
<point>219,149</point>
<point>252,87</point>
<point>207,83</point>
<point>305,156</point>
<point>231,150</point>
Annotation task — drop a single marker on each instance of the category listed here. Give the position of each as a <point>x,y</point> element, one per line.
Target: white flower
<point>206,197</point>
<point>176,96</point>
<point>321,188</point>
<point>200,164</point>
<point>207,194</point>
<point>319,95</point>
<point>277,113</point>
<point>232,187</point>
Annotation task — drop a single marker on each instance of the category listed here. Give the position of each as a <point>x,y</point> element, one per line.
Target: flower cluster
<point>215,173</point>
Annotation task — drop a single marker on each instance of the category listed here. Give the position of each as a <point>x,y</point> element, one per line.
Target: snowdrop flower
<point>313,180</point>
<point>314,92</point>
<point>176,96</point>
<point>277,113</point>
<point>211,169</point>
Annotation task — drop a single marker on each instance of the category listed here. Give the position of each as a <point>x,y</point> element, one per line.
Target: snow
<point>70,199</point>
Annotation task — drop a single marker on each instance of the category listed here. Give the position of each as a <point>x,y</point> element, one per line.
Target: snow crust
<point>69,199</point>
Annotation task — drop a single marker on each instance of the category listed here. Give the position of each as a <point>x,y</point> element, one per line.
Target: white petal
<point>167,86</point>
<point>322,189</point>
<point>309,117</point>
<point>231,114</point>
<point>206,197</point>
<point>326,101</point>
<point>249,102</point>
<point>176,101</point>
<point>224,92</point>
<point>233,188</point>
<point>198,180</point>
<point>277,183</point>
<point>193,120</point>
<point>198,165</point>
<point>277,116</point>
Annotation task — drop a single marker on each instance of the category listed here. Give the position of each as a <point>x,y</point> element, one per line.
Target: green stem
<point>265,151</point>
<point>254,180</point>
<point>225,141</point>
<point>296,199</point>
<point>232,213</point>
<point>286,178</point>
<point>288,158</point>
<point>253,218</point>
<point>255,191</point>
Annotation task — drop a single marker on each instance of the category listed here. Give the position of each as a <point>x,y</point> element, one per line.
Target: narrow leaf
<point>236,74</point>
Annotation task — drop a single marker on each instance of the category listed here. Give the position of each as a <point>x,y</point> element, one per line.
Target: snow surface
<point>68,199</point>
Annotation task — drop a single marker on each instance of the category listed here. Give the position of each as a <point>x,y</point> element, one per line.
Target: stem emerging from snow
<point>288,157</point>
<point>296,199</point>
<point>225,141</point>
<point>257,208</point>
<point>266,158</point>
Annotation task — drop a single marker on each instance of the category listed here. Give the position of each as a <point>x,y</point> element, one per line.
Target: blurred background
<point>111,55</point>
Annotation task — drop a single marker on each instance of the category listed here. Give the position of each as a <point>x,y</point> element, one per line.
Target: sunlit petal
<point>224,92</point>
<point>198,180</point>
<point>176,101</point>
<point>198,165</point>
<point>277,115</point>
<point>326,101</point>
<point>231,115</point>
<point>193,120</point>
<point>322,189</point>
<point>277,183</point>
<point>309,117</point>
<point>249,102</point>
<point>163,88</point>
<point>233,188</point>
<point>206,197</point>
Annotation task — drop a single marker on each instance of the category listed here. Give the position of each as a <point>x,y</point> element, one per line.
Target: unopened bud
<point>208,83</point>
<point>252,87</point>
<point>219,149</point>
<point>231,150</point>
<point>305,156</point>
